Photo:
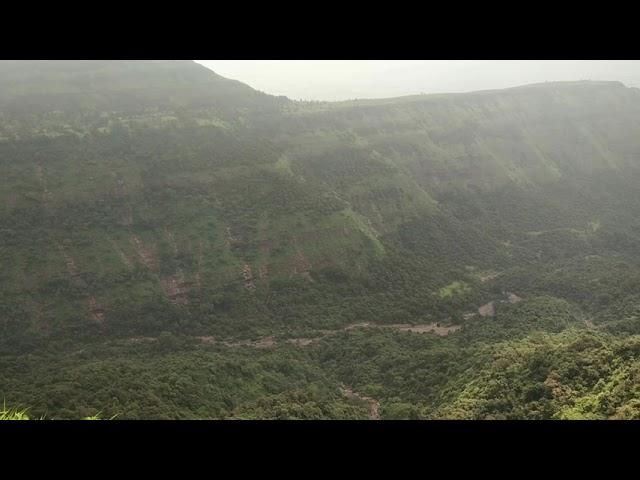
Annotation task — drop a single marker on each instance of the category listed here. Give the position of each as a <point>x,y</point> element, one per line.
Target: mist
<point>333,80</point>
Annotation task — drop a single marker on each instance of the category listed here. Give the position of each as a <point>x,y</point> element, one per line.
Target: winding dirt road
<point>270,341</point>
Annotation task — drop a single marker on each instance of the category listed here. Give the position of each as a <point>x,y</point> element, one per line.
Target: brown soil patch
<point>136,340</point>
<point>513,298</point>
<point>302,264</point>
<point>489,276</point>
<point>72,268</point>
<point>303,342</point>
<point>97,312</point>
<point>589,323</point>
<point>374,405</point>
<point>356,325</point>
<point>247,275</point>
<point>487,310</point>
<point>230,239</point>
<point>174,287</point>
<point>210,340</point>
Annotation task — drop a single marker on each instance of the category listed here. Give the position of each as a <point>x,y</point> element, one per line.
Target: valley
<point>174,245</point>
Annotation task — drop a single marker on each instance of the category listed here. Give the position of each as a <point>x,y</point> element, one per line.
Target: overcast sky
<point>348,79</point>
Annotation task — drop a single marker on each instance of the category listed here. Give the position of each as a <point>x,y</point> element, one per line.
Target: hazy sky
<point>348,79</point>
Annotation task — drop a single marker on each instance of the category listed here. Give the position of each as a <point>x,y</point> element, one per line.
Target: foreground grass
<point>13,414</point>
<point>16,414</point>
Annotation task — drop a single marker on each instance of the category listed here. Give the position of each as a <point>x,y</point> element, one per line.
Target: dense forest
<point>174,245</point>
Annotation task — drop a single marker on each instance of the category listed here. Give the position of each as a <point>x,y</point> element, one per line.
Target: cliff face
<point>525,136</point>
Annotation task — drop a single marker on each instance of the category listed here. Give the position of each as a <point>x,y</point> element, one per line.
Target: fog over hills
<point>349,79</point>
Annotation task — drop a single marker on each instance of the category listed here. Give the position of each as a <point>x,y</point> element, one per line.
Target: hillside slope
<point>37,87</point>
<point>133,222</point>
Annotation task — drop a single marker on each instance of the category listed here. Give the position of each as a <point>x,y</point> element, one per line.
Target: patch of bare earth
<point>303,342</point>
<point>72,268</point>
<point>513,298</point>
<point>487,310</point>
<point>137,340</point>
<point>97,311</point>
<point>247,275</point>
<point>175,288</point>
<point>230,239</point>
<point>589,323</point>
<point>374,405</point>
<point>489,276</point>
<point>209,340</point>
<point>357,325</point>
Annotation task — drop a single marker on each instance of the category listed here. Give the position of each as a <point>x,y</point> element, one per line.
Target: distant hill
<point>126,85</point>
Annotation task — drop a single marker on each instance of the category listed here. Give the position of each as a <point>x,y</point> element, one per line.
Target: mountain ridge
<point>80,85</point>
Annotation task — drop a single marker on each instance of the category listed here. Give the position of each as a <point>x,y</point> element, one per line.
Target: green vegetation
<point>174,244</point>
<point>17,414</point>
<point>454,288</point>
<point>13,414</point>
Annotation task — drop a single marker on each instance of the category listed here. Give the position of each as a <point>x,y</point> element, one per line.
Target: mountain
<point>55,85</point>
<point>156,216</point>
